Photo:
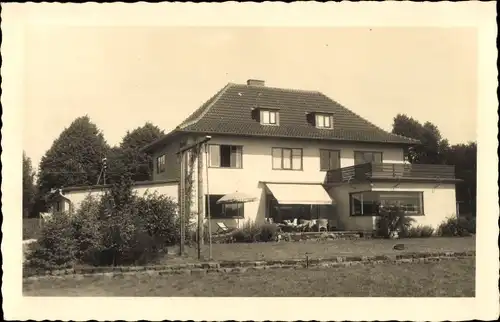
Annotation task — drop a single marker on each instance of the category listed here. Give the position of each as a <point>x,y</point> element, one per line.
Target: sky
<point>122,77</point>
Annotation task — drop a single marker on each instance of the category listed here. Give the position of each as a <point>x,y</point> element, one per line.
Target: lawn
<point>329,248</point>
<point>449,278</point>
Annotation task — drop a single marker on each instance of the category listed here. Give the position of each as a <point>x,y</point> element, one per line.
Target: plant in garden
<point>452,227</point>
<point>87,232</point>
<point>420,231</point>
<point>392,220</point>
<point>268,232</point>
<point>56,246</point>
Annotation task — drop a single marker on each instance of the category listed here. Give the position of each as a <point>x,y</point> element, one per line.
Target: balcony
<point>391,171</point>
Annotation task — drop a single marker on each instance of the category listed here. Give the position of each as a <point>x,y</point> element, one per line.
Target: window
<point>269,117</point>
<point>324,121</point>
<point>329,159</point>
<point>287,159</point>
<point>372,202</point>
<point>361,157</point>
<point>225,156</point>
<point>222,211</point>
<point>161,163</point>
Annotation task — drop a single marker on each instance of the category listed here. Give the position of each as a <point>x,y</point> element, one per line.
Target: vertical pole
<point>200,199</point>
<point>208,207</point>
<point>182,204</point>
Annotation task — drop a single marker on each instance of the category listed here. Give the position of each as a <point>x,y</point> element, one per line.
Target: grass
<point>450,278</point>
<point>329,248</point>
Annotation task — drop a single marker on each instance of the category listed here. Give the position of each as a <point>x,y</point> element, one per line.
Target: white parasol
<point>236,197</point>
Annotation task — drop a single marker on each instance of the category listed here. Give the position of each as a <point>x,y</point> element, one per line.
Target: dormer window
<point>269,117</point>
<point>323,121</point>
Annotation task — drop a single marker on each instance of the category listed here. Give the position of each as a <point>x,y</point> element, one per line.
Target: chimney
<point>256,82</point>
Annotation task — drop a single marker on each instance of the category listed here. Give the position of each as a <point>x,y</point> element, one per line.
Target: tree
<point>436,150</point>
<point>29,189</point>
<point>433,147</point>
<point>127,157</point>
<point>464,158</point>
<point>75,157</point>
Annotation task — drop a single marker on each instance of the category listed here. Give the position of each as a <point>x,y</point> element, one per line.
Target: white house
<point>302,156</point>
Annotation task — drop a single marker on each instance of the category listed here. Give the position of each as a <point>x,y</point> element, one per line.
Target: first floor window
<point>225,156</point>
<point>329,160</point>
<point>161,162</point>
<point>361,157</point>
<point>221,211</point>
<point>371,203</point>
<point>287,159</point>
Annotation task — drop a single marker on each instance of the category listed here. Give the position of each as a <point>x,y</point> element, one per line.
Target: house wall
<point>169,189</point>
<point>439,203</point>
<point>257,166</point>
<point>439,200</point>
<point>172,164</point>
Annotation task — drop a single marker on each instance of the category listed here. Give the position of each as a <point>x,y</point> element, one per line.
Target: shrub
<point>31,228</point>
<point>56,246</point>
<point>160,219</point>
<point>420,231</point>
<point>268,232</point>
<point>392,220</point>
<point>118,228</point>
<point>452,227</point>
<point>249,233</point>
<point>87,230</point>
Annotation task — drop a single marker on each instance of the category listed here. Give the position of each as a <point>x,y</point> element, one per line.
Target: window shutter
<point>214,155</point>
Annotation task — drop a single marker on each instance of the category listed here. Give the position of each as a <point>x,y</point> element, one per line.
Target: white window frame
<point>269,117</point>
<point>321,121</point>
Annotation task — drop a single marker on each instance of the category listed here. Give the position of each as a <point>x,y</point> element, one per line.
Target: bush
<point>56,247</point>
<point>87,231</point>
<point>31,228</point>
<point>249,233</point>
<point>420,232</point>
<point>392,220</point>
<point>118,228</point>
<point>453,227</point>
<point>268,232</point>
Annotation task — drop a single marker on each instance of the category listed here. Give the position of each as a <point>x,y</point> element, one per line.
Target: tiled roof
<point>229,111</point>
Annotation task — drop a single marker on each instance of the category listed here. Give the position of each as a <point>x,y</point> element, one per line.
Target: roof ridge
<point>366,120</point>
<point>206,108</point>
<point>283,89</point>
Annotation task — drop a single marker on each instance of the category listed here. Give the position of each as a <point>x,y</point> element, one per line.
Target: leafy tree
<point>75,157</point>
<point>433,146</point>
<point>29,189</point>
<point>127,157</point>
<point>436,150</point>
<point>464,158</point>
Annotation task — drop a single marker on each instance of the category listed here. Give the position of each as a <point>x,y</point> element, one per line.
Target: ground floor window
<point>279,213</point>
<point>370,203</point>
<point>223,211</point>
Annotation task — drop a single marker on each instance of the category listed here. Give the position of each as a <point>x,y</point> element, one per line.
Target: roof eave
<point>154,145</point>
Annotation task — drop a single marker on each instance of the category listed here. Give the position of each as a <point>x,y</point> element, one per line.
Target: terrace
<point>391,171</point>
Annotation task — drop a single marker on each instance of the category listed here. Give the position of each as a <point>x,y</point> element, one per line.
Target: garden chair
<point>221,227</point>
<point>322,224</point>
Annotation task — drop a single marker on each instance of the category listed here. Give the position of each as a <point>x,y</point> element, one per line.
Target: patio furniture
<point>222,227</point>
<point>322,224</point>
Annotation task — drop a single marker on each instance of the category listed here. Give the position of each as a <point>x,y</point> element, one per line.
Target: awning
<point>299,194</point>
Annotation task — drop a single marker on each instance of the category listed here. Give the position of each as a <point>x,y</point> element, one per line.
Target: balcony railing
<point>390,171</point>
